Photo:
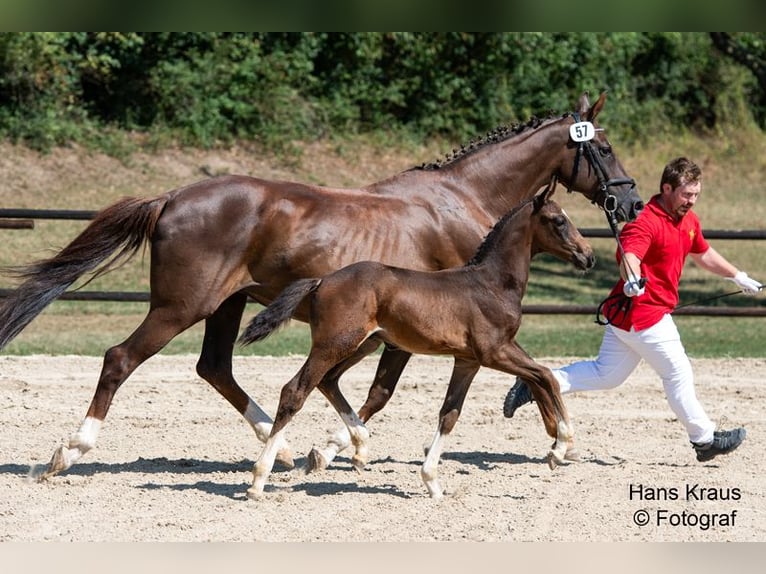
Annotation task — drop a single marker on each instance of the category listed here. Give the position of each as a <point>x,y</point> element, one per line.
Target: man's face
<point>680,200</point>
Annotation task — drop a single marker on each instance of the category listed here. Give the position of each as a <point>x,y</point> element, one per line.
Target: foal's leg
<point>291,400</point>
<point>215,366</point>
<point>390,367</point>
<point>463,374</point>
<point>511,358</point>
<point>354,430</point>
<point>158,328</point>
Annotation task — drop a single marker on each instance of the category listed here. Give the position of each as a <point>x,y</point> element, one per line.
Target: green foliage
<point>211,88</point>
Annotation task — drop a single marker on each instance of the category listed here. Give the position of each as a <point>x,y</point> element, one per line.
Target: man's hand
<point>748,285</point>
<point>634,287</point>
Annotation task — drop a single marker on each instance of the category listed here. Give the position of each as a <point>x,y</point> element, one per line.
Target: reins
<point>617,305</point>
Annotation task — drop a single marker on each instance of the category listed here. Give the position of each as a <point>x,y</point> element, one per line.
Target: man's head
<point>680,186</point>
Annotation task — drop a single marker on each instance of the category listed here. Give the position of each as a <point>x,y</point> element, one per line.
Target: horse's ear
<point>583,105</point>
<point>597,107</point>
<point>542,198</point>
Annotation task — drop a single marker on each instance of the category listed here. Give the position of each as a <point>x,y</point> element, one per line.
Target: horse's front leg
<point>463,374</point>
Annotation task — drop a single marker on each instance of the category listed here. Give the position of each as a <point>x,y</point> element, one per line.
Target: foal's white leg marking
<point>320,458</point>
<point>79,443</point>
<point>429,470</point>
<point>562,446</point>
<point>340,439</point>
<point>262,423</point>
<point>360,437</point>
<point>264,464</point>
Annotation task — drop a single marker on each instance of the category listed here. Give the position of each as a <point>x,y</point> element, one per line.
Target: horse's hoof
<point>572,455</point>
<point>358,463</point>
<point>554,460</point>
<point>254,493</point>
<point>285,458</point>
<point>315,461</point>
<point>57,464</point>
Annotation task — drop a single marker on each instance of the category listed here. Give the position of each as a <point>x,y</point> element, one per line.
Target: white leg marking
<point>429,470</point>
<point>359,436</point>
<point>338,441</point>
<point>262,423</point>
<point>564,441</point>
<point>264,464</point>
<point>79,443</point>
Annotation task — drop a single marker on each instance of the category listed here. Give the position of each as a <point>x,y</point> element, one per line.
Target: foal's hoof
<point>254,493</point>
<point>285,458</point>
<point>57,464</point>
<point>572,455</point>
<point>315,461</point>
<point>555,459</point>
<point>358,463</point>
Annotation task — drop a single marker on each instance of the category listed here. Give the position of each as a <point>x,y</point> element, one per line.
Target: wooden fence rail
<point>27,217</point>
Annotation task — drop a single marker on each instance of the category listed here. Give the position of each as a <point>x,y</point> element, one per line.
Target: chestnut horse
<point>219,241</point>
<point>472,313</point>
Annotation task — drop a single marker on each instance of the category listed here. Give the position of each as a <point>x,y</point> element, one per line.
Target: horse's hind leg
<point>511,358</point>
<point>157,329</point>
<point>390,367</point>
<point>291,399</point>
<point>354,432</point>
<point>215,366</point>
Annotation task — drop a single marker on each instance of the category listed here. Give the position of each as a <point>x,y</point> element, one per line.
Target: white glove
<point>749,286</point>
<point>633,288</point>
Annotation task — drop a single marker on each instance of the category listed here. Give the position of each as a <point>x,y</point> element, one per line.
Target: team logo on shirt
<point>691,235</point>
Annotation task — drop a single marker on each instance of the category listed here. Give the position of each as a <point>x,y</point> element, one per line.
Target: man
<point>655,248</point>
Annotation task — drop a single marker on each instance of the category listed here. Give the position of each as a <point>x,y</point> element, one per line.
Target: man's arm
<point>716,263</point>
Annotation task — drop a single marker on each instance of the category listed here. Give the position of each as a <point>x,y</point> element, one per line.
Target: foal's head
<point>554,233</point>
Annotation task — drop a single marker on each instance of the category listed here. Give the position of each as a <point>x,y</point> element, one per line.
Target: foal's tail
<point>278,312</point>
<point>122,228</point>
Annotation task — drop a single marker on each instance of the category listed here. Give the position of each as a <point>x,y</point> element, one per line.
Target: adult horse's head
<point>593,168</point>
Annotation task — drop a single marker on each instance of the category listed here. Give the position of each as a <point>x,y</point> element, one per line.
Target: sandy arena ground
<point>174,460</point>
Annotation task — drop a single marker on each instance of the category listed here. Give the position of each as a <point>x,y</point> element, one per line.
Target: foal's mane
<point>490,240</point>
<point>499,134</point>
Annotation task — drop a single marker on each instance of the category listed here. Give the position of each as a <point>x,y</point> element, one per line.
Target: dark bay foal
<point>472,313</point>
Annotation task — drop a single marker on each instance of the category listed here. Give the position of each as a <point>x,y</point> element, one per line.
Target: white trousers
<point>660,346</point>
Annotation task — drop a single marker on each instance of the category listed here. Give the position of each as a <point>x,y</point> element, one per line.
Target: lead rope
<point>615,308</point>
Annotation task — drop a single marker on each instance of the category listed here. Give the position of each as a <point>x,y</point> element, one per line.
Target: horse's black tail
<point>278,312</point>
<point>122,228</point>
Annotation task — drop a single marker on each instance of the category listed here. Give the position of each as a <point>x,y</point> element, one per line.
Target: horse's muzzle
<point>584,261</point>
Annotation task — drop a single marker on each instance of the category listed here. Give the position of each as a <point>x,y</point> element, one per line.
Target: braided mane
<point>499,134</point>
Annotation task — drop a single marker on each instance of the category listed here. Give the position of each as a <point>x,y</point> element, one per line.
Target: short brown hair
<point>680,171</point>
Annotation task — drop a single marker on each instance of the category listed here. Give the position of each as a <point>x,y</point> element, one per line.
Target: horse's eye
<point>605,151</point>
<point>559,221</point>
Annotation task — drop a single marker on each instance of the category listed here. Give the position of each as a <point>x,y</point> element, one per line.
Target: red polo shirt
<point>662,244</point>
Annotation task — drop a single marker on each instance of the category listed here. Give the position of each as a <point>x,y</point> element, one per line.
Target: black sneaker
<point>724,442</point>
<point>518,395</point>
